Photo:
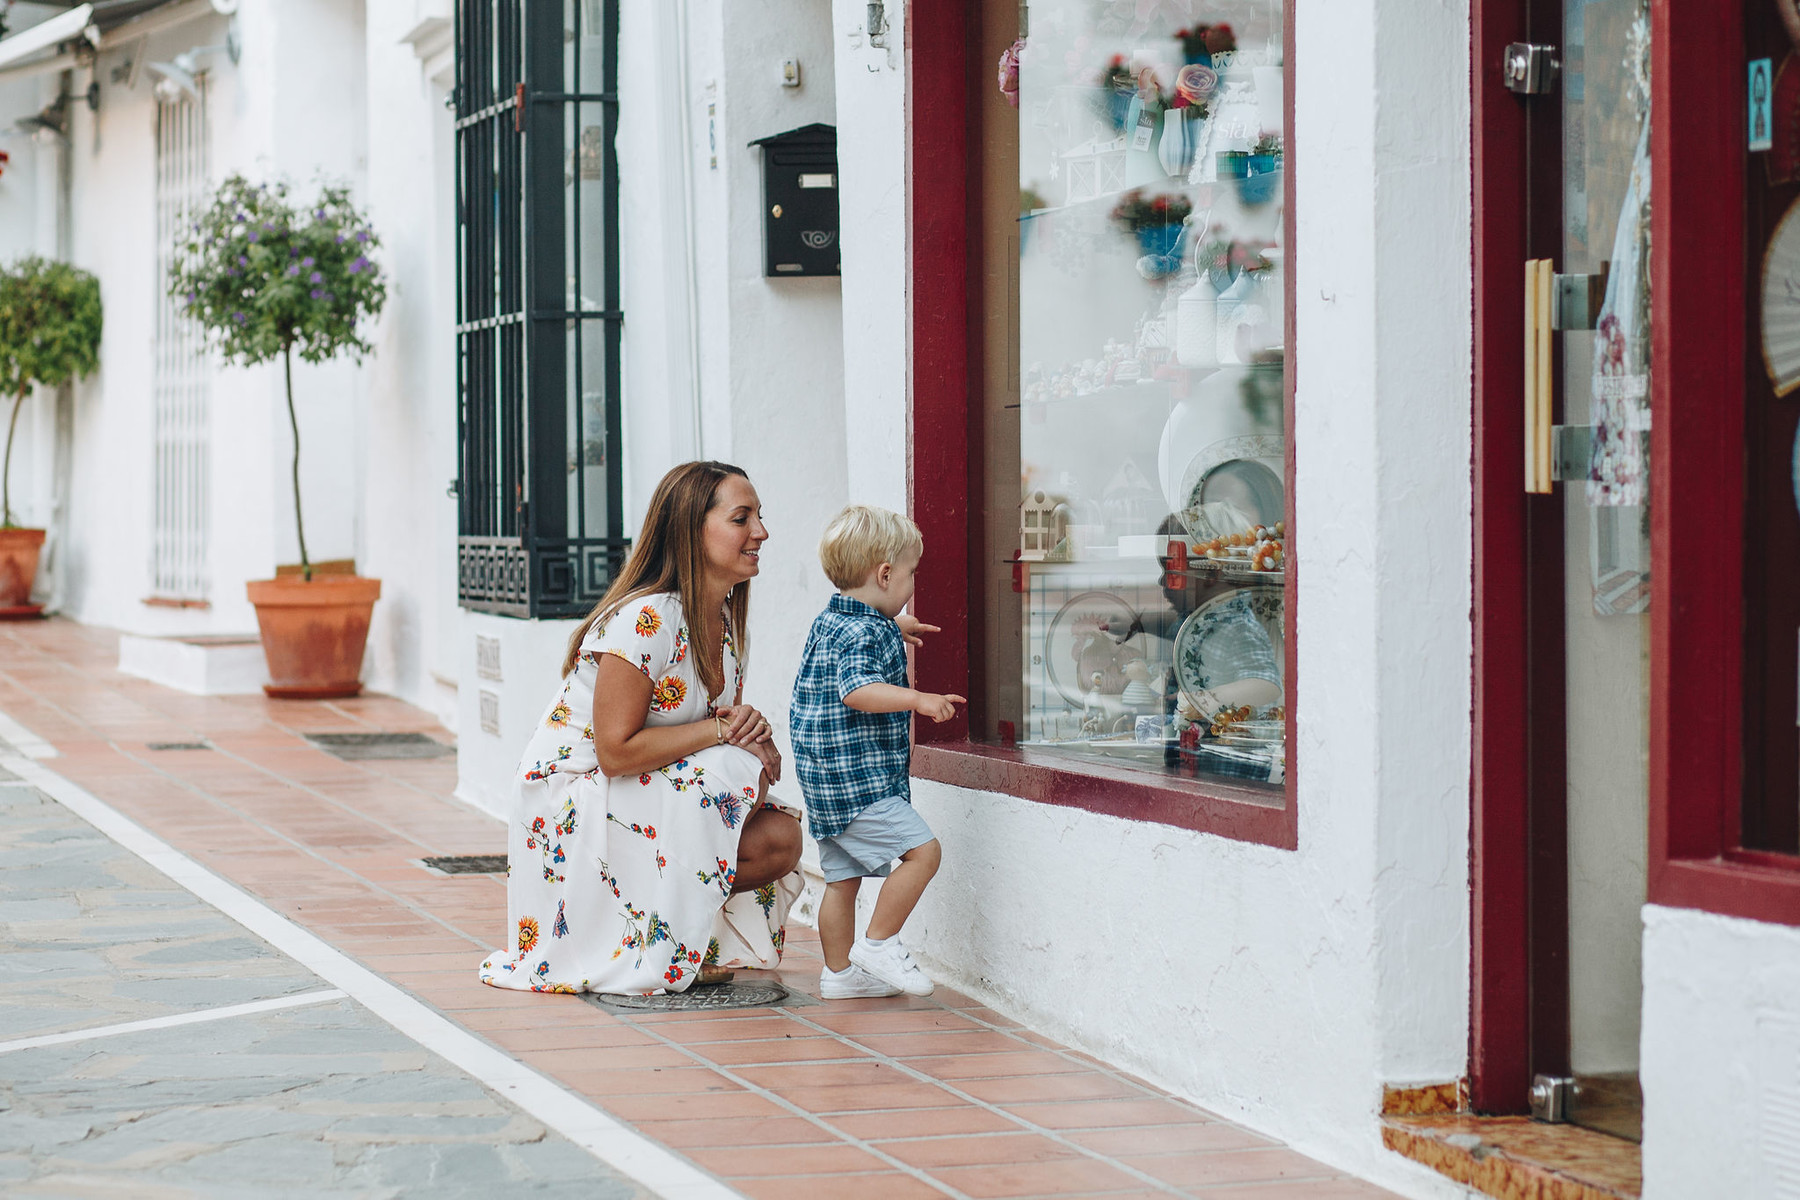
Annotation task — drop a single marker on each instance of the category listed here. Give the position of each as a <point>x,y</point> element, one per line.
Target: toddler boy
<point>851,725</point>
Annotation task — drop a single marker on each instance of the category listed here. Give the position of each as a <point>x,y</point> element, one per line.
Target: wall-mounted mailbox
<point>800,201</point>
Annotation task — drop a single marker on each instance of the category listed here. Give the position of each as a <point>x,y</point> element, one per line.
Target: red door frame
<point>944,420</point>
<point>1696,611</point>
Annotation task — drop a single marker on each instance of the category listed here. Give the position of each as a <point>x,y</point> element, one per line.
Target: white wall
<point>1282,987</point>
<point>1721,1056</point>
<point>766,355</point>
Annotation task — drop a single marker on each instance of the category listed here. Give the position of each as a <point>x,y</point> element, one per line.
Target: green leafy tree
<point>49,334</point>
<point>268,280</point>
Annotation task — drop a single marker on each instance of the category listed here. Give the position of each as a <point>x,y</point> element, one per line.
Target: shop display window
<point>1134,372</point>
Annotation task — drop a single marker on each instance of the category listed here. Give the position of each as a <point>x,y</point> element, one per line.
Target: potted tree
<point>49,334</point>
<point>269,280</point>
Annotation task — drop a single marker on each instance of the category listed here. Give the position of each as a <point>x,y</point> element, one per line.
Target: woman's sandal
<point>711,973</point>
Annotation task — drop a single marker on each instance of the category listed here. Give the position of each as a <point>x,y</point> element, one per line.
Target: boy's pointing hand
<point>911,627</point>
<point>938,708</point>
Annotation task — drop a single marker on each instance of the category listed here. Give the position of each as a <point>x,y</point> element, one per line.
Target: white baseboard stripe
<point>172,1020</point>
<point>571,1115</point>
<point>23,740</point>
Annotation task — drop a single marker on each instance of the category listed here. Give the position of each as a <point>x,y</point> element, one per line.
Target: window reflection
<point>1150,357</point>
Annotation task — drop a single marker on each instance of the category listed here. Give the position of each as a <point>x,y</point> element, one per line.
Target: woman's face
<point>734,533</point>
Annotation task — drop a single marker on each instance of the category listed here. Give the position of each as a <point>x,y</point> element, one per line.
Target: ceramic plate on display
<point>1781,304</point>
<point>1086,637</point>
<point>1223,639</point>
<point>1234,479</point>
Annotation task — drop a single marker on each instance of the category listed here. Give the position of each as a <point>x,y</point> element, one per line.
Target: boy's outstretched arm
<point>887,698</point>
<point>911,627</point>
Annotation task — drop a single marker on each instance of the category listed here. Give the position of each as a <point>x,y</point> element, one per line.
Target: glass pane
<point>1145,379</point>
<point>1606,546</point>
<point>1771,796</point>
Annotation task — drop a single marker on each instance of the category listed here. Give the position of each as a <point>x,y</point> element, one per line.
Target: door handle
<point>1539,285</point>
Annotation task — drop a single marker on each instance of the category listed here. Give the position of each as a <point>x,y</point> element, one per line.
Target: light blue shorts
<point>880,833</point>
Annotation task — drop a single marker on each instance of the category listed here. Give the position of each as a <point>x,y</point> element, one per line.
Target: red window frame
<point>944,419</point>
<point>1696,610</point>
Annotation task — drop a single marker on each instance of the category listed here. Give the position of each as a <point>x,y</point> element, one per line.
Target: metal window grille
<point>181,424</point>
<point>539,485</point>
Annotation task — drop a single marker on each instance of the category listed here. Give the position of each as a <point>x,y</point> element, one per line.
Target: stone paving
<point>321,1100</point>
<point>897,1097</point>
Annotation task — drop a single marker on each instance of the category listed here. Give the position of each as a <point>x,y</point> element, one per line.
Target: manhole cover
<point>354,746</point>
<point>178,745</point>
<point>468,864</point>
<point>757,994</point>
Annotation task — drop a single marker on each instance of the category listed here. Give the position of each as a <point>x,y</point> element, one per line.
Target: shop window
<point>539,487</point>
<point>1132,555</point>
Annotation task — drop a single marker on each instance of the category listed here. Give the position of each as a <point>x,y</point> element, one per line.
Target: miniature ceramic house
<point>1037,526</point>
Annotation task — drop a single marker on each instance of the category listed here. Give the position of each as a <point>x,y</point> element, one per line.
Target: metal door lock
<point>1550,1098</point>
<point>1530,69</point>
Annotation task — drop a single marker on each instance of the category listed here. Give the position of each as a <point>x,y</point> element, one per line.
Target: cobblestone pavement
<point>871,1099</point>
<point>320,1099</point>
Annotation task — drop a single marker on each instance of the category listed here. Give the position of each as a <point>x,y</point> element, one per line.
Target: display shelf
<point>1208,570</point>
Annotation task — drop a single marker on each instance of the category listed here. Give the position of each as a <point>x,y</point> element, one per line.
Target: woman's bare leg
<point>768,847</point>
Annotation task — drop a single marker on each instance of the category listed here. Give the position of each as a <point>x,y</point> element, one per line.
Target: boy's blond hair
<point>861,538</point>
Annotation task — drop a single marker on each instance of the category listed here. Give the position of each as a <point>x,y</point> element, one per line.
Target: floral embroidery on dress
<point>668,695</point>
<point>647,832</point>
<point>648,622</point>
<point>681,645</point>
<point>641,934</point>
<point>559,715</point>
<point>528,934</point>
<point>561,928</point>
<point>543,770</point>
<point>725,877</point>
<point>730,805</point>
<point>765,898</point>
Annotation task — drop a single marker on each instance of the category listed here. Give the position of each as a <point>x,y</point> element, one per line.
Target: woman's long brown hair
<point>669,556</point>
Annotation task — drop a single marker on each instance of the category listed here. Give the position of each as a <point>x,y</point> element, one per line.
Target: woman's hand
<point>744,726</point>
<point>911,627</point>
<point>770,758</point>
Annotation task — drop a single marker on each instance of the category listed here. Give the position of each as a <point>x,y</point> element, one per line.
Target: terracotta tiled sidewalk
<point>869,1098</point>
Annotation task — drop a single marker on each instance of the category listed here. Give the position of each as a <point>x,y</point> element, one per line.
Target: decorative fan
<point>1782,162</point>
<point>1781,304</point>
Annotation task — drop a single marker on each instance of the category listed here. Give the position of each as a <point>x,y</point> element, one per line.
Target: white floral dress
<point>624,885</point>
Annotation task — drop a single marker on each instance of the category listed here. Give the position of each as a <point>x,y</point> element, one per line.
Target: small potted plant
<point>49,334</point>
<point>268,280</point>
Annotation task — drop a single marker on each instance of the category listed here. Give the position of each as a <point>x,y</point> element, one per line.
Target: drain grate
<point>353,747</point>
<point>178,745</point>
<point>712,997</point>
<point>467,864</point>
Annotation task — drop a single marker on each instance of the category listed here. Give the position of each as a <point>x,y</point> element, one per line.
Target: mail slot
<point>800,201</point>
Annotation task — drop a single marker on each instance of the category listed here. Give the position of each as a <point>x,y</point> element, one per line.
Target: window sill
<point>1756,887</point>
<point>1242,814</point>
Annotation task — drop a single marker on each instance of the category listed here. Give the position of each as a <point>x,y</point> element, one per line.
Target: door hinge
<point>1570,449</point>
<point>1530,69</point>
<point>1550,1098</point>
<point>1575,299</point>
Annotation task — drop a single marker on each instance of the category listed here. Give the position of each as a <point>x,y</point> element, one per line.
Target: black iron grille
<point>703,997</point>
<point>539,485</point>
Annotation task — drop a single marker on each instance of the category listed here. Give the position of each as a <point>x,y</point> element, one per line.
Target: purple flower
<point>362,235</point>
<point>295,270</point>
<point>316,293</point>
<point>307,261</point>
<point>317,278</point>
<point>193,296</point>
<point>239,218</point>
<point>239,317</point>
<point>340,239</point>
<point>254,235</point>
<point>359,265</point>
<point>319,213</point>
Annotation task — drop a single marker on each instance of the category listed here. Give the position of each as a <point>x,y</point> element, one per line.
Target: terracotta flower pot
<point>18,569</point>
<point>313,633</point>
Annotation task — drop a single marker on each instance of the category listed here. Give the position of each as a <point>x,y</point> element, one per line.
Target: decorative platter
<point>1261,605</point>
<point>1086,637</point>
<point>1235,475</point>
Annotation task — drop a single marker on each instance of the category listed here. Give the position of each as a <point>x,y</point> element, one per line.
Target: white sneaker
<point>852,983</point>
<point>891,963</point>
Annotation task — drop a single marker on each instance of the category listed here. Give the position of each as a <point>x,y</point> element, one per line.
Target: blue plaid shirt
<point>847,760</point>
